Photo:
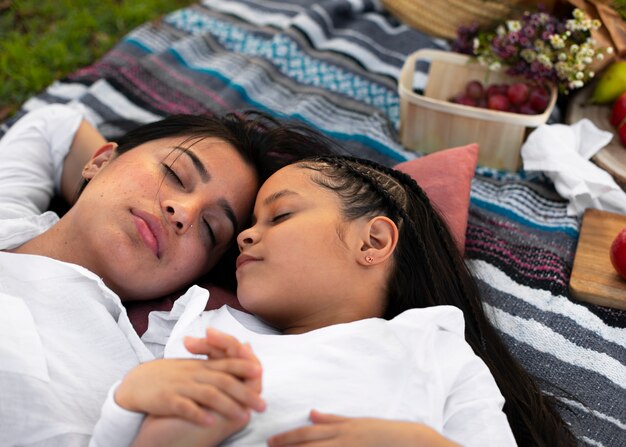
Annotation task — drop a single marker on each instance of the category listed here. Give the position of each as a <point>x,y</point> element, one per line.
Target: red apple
<point>618,253</point>
<point>618,113</point>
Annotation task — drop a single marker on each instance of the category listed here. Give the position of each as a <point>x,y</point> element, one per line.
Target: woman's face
<point>293,264</point>
<point>160,215</point>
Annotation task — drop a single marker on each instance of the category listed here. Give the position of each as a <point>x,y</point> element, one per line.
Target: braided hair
<point>429,270</point>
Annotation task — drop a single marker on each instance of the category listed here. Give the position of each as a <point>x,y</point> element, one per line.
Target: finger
<point>225,342</point>
<point>187,409</point>
<point>240,368</point>
<point>302,435</point>
<point>225,394</point>
<point>256,383</point>
<point>201,346</point>
<point>326,418</point>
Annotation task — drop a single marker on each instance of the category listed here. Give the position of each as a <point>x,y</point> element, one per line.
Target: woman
<point>159,209</point>
<point>359,295</point>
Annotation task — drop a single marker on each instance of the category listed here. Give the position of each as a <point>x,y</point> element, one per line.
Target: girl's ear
<point>379,240</point>
<point>98,160</point>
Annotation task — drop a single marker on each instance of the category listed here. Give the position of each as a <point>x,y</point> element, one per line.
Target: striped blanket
<point>334,64</point>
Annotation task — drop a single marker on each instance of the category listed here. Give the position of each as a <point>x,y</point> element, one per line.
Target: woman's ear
<point>379,240</point>
<point>98,160</point>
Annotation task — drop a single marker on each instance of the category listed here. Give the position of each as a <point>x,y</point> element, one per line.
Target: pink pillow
<point>446,177</point>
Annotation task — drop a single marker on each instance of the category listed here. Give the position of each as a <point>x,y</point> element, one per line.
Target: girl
<point>160,207</point>
<point>360,297</point>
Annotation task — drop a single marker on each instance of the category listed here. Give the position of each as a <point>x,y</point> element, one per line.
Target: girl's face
<point>294,265</point>
<point>160,215</point>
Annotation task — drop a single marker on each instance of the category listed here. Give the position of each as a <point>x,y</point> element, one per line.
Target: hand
<point>218,345</point>
<point>171,432</point>
<point>329,430</point>
<point>191,388</point>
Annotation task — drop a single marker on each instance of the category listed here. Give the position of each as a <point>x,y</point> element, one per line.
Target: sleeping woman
<point>366,326</point>
<point>160,207</point>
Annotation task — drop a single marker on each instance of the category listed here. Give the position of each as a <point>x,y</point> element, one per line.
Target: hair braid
<point>362,170</point>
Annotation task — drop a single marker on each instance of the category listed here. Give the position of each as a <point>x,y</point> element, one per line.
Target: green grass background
<point>44,40</point>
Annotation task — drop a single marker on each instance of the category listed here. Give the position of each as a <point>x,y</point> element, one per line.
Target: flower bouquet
<point>539,47</point>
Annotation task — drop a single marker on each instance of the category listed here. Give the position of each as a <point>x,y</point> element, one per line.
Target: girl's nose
<point>245,238</point>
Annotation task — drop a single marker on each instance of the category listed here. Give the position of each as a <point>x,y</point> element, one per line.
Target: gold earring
<point>369,259</point>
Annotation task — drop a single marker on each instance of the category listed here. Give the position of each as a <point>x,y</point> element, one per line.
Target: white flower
<point>513,25</point>
<point>578,14</point>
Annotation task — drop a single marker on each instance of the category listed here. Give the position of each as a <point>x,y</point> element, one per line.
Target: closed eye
<point>280,217</point>
<point>171,173</point>
<point>211,232</point>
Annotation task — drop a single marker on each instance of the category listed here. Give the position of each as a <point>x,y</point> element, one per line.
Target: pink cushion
<point>446,177</point>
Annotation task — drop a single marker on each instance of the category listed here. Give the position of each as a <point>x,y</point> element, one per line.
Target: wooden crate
<point>429,122</point>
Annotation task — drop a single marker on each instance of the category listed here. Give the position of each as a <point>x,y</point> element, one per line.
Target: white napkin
<point>562,152</point>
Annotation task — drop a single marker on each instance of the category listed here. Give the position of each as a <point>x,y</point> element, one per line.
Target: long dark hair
<point>429,270</point>
<point>264,142</point>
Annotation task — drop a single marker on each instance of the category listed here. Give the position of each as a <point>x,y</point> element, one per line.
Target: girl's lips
<point>149,231</point>
<point>244,259</point>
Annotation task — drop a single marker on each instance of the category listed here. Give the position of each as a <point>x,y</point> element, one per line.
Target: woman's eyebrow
<point>202,171</point>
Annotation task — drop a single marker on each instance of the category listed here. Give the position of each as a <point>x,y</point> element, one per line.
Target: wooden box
<point>430,122</point>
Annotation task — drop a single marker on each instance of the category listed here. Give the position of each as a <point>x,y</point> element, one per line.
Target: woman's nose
<point>179,215</point>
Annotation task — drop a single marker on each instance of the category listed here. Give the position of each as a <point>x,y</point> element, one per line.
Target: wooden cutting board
<point>594,279</point>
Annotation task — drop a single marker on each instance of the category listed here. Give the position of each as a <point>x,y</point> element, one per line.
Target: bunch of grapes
<point>519,97</point>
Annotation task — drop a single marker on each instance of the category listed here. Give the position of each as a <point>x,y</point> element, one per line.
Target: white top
<point>416,367</point>
<point>64,336</point>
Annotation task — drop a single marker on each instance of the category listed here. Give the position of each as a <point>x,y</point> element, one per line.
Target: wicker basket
<point>429,122</point>
<point>442,18</point>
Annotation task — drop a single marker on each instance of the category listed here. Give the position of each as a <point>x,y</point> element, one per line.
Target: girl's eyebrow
<point>197,163</point>
<point>277,195</point>
<point>273,198</point>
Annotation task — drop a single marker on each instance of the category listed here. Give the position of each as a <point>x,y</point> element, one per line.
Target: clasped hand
<point>224,387</point>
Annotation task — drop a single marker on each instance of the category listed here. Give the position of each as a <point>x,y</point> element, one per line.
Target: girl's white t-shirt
<point>416,367</point>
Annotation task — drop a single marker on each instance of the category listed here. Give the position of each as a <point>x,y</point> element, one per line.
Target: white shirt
<point>65,337</point>
<point>416,367</point>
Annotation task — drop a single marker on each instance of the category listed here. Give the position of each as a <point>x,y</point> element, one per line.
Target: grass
<point>44,40</point>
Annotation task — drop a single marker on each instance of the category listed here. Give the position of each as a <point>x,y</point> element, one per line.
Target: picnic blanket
<point>334,64</point>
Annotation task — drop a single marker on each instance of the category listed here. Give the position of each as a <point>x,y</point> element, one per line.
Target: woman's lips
<point>149,231</point>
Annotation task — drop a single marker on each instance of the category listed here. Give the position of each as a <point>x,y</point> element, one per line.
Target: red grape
<point>475,90</point>
<point>518,93</point>
<point>498,102</point>
<point>538,99</point>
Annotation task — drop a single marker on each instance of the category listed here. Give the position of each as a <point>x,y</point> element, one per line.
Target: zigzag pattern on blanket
<point>334,64</point>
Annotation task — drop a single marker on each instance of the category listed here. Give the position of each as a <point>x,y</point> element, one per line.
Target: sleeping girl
<point>364,327</point>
